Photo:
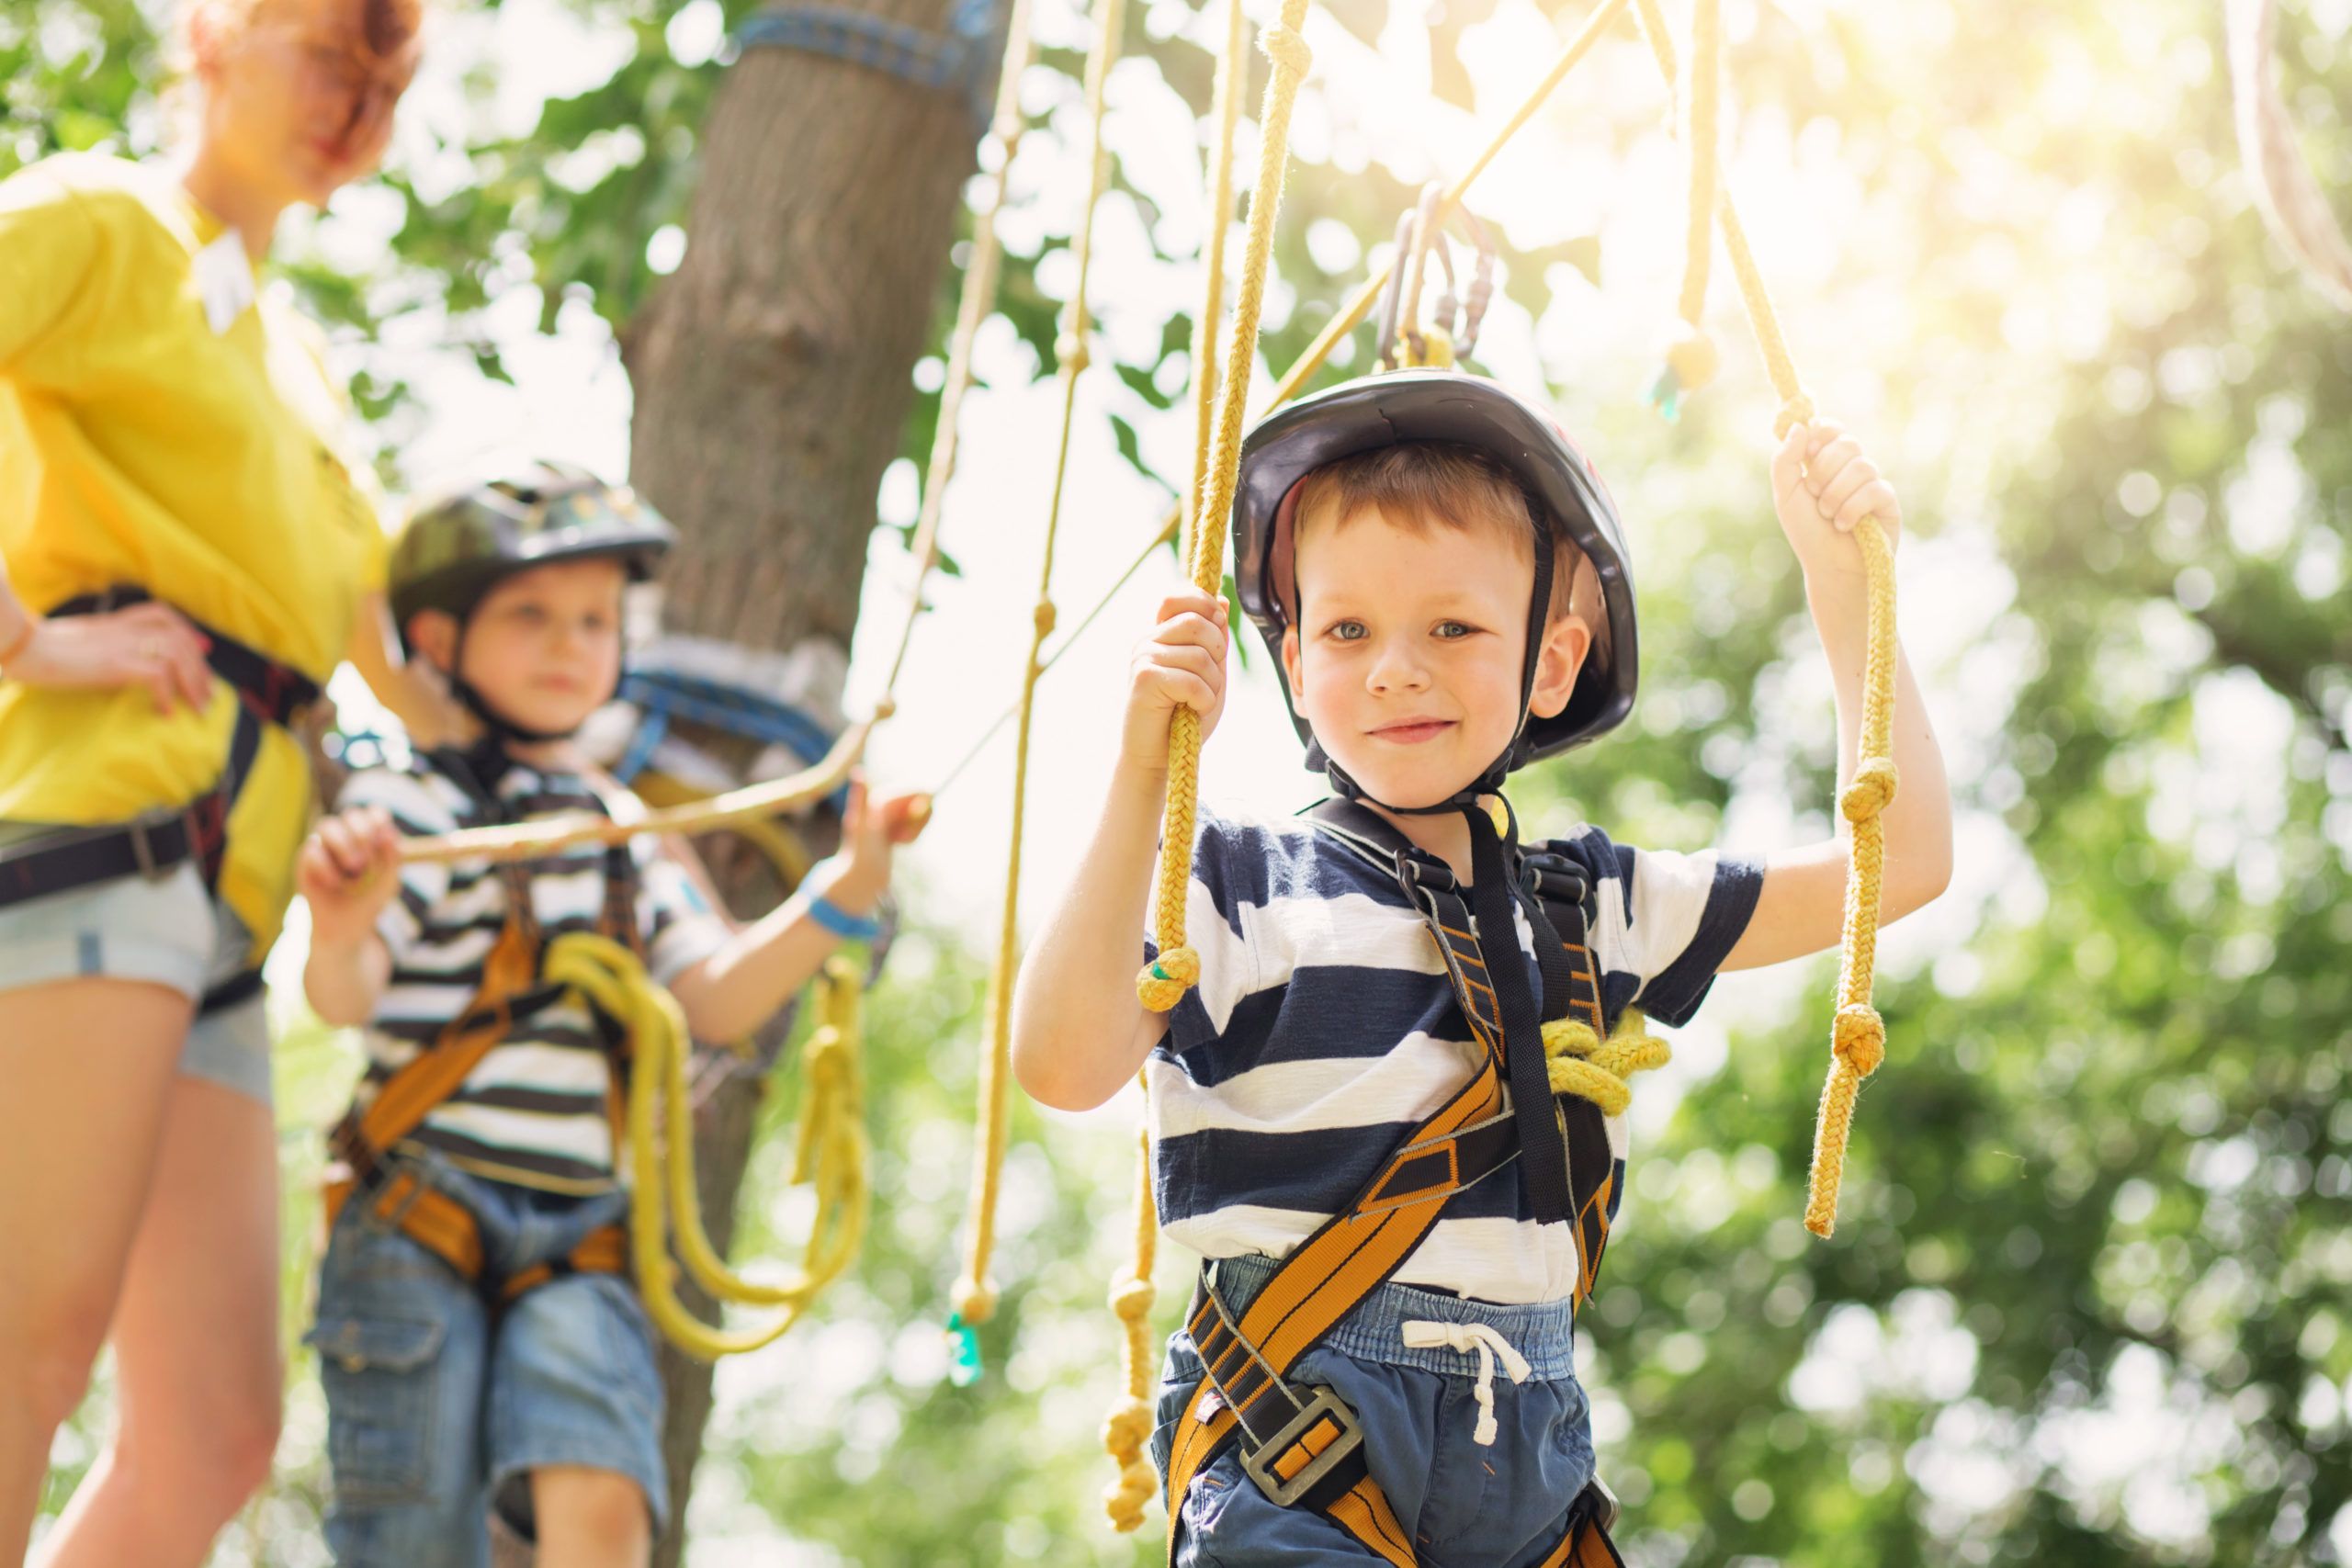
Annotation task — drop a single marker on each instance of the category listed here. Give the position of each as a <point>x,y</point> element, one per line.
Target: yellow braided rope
<point>1225,107</point>
<point>1857,1037</point>
<point>1128,1425</point>
<point>1164,981</point>
<point>829,1153</point>
<point>1690,357</point>
<point>975,1293</point>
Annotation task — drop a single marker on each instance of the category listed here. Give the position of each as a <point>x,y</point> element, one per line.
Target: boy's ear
<point>1290,660</point>
<point>1566,641</point>
<point>432,635</point>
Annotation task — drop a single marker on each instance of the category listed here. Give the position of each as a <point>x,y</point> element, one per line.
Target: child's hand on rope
<point>347,872</point>
<point>871,829</point>
<point>1823,485</point>
<point>1180,664</point>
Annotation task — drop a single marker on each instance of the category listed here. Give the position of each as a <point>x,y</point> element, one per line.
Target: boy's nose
<point>1394,669</point>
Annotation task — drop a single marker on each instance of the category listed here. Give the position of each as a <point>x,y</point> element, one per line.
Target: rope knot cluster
<point>1871,790</point>
<point>1071,352</point>
<point>1692,357</point>
<point>1286,48</point>
<point>1579,1062</point>
<point>1859,1038</point>
<point>1165,980</point>
<point>1124,1432</point>
<point>1042,617</point>
<point>1796,410</point>
<point>1131,1298</point>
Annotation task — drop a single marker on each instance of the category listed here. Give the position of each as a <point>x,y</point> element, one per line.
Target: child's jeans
<point>1469,1505</point>
<point>440,1404</point>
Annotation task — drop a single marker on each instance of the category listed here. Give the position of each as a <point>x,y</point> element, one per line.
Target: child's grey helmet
<point>454,549</point>
<point>1467,411</point>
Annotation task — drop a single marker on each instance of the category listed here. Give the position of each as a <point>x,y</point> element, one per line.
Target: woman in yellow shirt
<point>186,559</point>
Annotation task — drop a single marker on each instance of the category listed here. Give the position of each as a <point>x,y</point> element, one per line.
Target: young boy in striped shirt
<point>1440,578</point>
<point>452,1392</point>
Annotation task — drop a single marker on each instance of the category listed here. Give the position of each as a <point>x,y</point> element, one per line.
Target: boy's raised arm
<point>1078,1030</point>
<point>1822,487</point>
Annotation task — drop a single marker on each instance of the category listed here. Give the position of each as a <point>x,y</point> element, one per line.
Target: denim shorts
<point>1467,1504</point>
<point>440,1404</point>
<point>168,931</point>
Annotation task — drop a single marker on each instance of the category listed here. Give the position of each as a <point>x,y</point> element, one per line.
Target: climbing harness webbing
<point>1304,1447</point>
<point>406,1201</point>
<point>157,842</point>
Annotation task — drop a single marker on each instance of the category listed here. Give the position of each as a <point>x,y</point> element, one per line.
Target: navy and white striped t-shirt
<point>1324,1030</point>
<point>532,1111</point>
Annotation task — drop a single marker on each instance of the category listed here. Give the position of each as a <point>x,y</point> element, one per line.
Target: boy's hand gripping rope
<point>975,1293</point>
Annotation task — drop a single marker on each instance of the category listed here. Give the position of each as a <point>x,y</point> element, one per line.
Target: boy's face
<point>1407,657</point>
<point>544,647</point>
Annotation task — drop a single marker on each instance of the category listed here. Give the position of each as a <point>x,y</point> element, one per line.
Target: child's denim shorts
<point>440,1404</point>
<point>168,930</point>
<point>1469,1505</point>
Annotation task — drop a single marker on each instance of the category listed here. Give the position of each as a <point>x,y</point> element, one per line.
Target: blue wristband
<point>841,922</point>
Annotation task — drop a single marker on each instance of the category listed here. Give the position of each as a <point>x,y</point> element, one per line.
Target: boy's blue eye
<point>1347,631</point>
<point>1452,630</point>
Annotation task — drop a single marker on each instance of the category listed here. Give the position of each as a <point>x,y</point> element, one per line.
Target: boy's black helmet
<point>454,549</point>
<point>1467,411</point>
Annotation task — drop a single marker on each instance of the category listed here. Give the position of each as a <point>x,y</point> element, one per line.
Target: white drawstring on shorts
<point>1485,1342</point>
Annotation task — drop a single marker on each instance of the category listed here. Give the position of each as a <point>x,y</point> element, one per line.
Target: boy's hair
<point>1420,485</point>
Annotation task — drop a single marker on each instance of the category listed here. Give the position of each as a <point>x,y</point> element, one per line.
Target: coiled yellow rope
<point>829,1153</point>
<point>1164,981</point>
<point>975,1294</point>
<point>1580,1063</point>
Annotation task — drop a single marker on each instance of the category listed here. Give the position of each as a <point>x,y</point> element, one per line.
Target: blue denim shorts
<point>168,931</point>
<point>1469,1505</point>
<point>441,1404</point>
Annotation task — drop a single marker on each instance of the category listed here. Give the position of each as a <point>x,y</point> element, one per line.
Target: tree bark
<point>773,383</point>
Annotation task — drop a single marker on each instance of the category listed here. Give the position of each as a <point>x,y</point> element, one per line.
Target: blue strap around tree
<point>959,61</point>
<point>661,696</point>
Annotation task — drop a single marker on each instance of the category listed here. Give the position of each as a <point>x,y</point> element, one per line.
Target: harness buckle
<point>1554,878</point>
<point>1599,1503</point>
<point>142,848</point>
<point>1264,1464</point>
<point>1417,869</point>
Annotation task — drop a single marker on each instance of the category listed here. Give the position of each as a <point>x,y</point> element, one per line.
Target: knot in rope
<point>1166,978</point>
<point>1286,48</point>
<point>1796,410</point>
<point>1042,617</point>
<point>975,1300</point>
<point>1071,352</point>
<point>1691,356</point>
<point>1579,1062</point>
<point>1131,1298</point>
<point>1871,789</point>
<point>1483,1340</point>
<point>1124,1432</point>
<point>1859,1038</point>
<point>884,707</point>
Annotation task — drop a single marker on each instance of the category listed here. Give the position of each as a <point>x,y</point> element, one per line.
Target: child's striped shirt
<point>533,1111</point>
<point>1324,1030</point>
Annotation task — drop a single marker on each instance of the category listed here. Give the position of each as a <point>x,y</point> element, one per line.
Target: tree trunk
<point>772,380</point>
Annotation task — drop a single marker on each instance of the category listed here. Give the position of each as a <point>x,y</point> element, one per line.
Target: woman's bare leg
<point>89,1068</point>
